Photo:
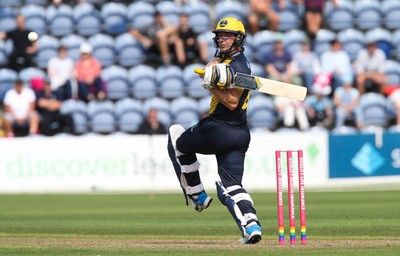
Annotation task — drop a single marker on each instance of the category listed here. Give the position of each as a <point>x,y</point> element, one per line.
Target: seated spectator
<point>292,113</point>
<point>345,100</point>
<point>48,107</point>
<point>394,99</point>
<point>306,64</point>
<point>262,11</point>
<point>60,68</point>
<point>319,106</point>
<point>279,64</point>
<point>370,76</point>
<point>186,42</point>
<point>25,45</point>
<point>314,15</point>
<point>151,125</point>
<point>337,62</point>
<point>157,38</point>
<point>88,75</point>
<point>20,111</point>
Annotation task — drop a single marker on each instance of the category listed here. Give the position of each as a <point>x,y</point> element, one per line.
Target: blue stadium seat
<point>170,11</point>
<point>114,17</point>
<point>142,79</point>
<point>288,20</point>
<point>249,48</point>
<point>128,113</point>
<point>27,74</point>
<point>352,41</point>
<point>391,14</point>
<point>87,19</point>
<point>141,14</point>
<point>192,82</point>
<point>184,111</point>
<point>322,41</point>
<point>396,43</point>
<point>204,105</point>
<point>162,106</point>
<point>7,79</point>
<point>10,3</point>
<point>129,50</point>
<point>257,69</point>
<point>47,48</point>
<point>37,2</point>
<point>181,104</point>
<point>101,116</point>
<point>206,38</point>
<point>186,118</point>
<point>231,9</point>
<point>199,18</point>
<point>103,48</point>
<point>392,71</point>
<point>368,14</point>
<point>35,18</point>
<point>261,112</point>
<point>7,18</point>
<point>293,40</point>
<point>73,43</point>
<point>373,109</point>
<point>116,79</point>
<point>60,20</point>
<point>170,81</point>
<point>263,42</point>
<point>77,109</point>
<point>341,17</point>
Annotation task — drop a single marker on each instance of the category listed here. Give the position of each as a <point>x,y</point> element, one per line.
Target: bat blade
<point>267,86</point>
<point>270,86</point>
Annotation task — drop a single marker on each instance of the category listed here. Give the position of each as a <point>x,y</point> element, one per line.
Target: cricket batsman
<point>223,132</point>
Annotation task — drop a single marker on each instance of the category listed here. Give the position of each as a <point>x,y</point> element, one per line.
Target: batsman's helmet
<point>231,25</point>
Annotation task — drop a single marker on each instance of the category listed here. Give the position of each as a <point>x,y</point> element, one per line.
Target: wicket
<point>291,203</point>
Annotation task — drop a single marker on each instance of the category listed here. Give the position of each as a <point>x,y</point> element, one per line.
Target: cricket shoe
<point>201,201</point>
<point>253,234</point>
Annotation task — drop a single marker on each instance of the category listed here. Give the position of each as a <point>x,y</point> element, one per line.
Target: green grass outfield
<point>338,223</point>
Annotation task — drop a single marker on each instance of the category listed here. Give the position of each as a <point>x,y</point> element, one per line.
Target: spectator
<point>394,99</point>
<point>337,63</point>
<point>48,107</point>
<point>306,64</point>
<point>20,110</point>
<point>186,43</point>
<point>60,69</point>
<point>157,38</point>
<point>314,15</point>
<point>152,125</point>
<point>262,11</point>
<point>279,64</point>
<point>24,43</point>
<point>370,75</point>
<point>319,107</point>
<point>292,112</point>
<point>88,75</point>
<point>345,100</point>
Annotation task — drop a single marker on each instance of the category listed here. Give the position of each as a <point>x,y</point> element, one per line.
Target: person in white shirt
<point>20,111</point>
<point>369,69</point>
<point>337,63</point>
<point>60,68</point>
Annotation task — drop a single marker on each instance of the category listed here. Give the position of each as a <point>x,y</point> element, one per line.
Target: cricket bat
<point>268,86</point>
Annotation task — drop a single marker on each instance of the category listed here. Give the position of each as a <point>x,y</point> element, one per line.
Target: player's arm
<point>228,98</point>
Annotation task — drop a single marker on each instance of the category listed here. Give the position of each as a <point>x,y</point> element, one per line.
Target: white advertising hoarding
<point>126,163</point>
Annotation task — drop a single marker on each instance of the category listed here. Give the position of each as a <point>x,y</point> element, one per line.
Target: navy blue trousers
<point>228,143</point>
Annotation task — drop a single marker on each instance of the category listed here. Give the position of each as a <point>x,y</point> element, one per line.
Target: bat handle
<point>199,71</point>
